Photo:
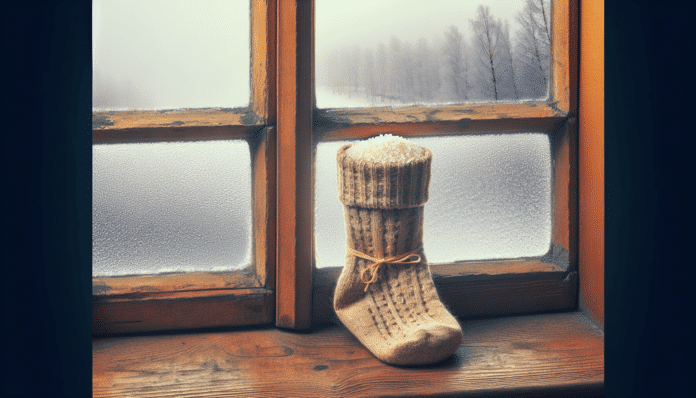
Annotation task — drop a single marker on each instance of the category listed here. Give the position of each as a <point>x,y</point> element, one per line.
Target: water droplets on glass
<point>171,207</point>
<point>490,198</point>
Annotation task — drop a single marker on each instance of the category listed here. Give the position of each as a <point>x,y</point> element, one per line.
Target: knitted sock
<point>391,307</point>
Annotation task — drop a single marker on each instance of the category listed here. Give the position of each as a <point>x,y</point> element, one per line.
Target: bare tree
<point>396,73</point>
<point>456,65</point>
<point>368,77</point>
<point>426,73</point>
<point>382,71</point>
<point>486,39</point>
<point>507,47</point>
<point>402,70</point>
<point>534,45</point>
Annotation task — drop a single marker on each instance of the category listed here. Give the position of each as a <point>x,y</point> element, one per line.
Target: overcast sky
<point>367,22</point>
<point>159,54</point>
<point>170,54</point>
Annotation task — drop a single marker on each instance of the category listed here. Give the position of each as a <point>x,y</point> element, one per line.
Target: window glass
<point>490,198</point>
<point>170,54</point>
<point>431,52</point>
<point>166,207</point>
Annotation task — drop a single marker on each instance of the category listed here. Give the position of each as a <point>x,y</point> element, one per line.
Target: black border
<point>47,172</point>
<point>649,212</point>
<point>47,175</point>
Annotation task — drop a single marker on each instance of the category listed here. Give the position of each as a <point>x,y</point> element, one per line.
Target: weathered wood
<point>564,190</point>
<point>591,161</point>
<point>263,59</point>
<point>534,355</point>
<point>264,194</point>
<point>173,134</point>
<point>295,203</point>
<point>173,125</point>
<point>337,124</point>
<point>563,79</point>
<point>130,304</point>
<point>181,310</point>
<point>477,289</point>
<point>174,282</point>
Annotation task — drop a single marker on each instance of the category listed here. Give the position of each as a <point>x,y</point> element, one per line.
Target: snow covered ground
<point>328,99</point>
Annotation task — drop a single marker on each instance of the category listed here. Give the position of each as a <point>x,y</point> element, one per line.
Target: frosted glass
<point>166,54</point>
<point>490,198</point>
<point>405,52</point>
<point>169,207</point>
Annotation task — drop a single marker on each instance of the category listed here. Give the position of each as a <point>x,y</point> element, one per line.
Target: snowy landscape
<point>481,57</point>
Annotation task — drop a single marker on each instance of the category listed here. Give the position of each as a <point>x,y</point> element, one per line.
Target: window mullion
<point>294,164</point>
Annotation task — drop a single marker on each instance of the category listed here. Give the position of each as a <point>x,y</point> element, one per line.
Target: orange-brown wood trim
<point>549,355</point>
<point>173,134</point>
<point>294,171</point>
<point>181,310</point>
<point>169,283</point>
<point>564,39</point>
<point>361,123</point>
<point>564,190</point>
<point>263,59</point>
<point>423,129</point>
<point>591,154</point>
<point>438,113</point>
<point>206,117</point>
<point>173,125</point>
<point>476,289</point>
<point>264,194</point>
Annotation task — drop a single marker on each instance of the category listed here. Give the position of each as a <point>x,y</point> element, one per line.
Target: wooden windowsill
<point>560,354</point>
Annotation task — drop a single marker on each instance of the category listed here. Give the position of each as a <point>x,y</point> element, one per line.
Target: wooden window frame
<point>470,288</point>
<point>282,126</point>
<point>558,354</point>
<point>147,303</point>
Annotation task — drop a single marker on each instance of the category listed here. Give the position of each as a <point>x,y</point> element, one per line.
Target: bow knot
<point>372,269</point>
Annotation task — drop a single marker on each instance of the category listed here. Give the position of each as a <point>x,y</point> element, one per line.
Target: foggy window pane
<point>167,207</point>
<point>404,52</point>
<point>490,198</point>
<point>171,54</point>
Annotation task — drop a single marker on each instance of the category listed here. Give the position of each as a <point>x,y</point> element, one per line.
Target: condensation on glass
<point>490,198</point>
<point>171,207</point>
<point>404,52</point>
<point>170,54</point>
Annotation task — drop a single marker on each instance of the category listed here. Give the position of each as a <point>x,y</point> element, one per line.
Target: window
<point>236,138</point>
<point>283,128</point>
<point>535,280</point>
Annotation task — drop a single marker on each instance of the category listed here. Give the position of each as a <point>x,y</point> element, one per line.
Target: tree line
<point>485,65</point>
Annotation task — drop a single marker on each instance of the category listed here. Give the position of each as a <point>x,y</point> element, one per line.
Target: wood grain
<point>131,304</point>
<point>181,310</point>
<point>263,59</point>
<point>264,194</point>
<point>294,164</point>
<point>175,282</point>
<point>337,124</point>
<point>519,356</point>
<point>111,127</point>
<point>563,82</point>
<point>591,161</point>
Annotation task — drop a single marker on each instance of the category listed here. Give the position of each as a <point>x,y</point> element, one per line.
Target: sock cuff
<point>388,185</point>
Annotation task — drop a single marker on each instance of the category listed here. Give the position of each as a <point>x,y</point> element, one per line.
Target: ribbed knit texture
<point>400,317</point>
<point>375,185</point>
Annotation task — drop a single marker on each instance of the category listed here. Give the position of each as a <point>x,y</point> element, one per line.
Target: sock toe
<point>428,344</point>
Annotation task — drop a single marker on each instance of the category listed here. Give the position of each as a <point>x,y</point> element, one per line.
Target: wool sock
<point>392,307</point>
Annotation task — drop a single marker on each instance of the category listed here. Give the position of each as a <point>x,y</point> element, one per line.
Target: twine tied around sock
<point>377,262</point>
